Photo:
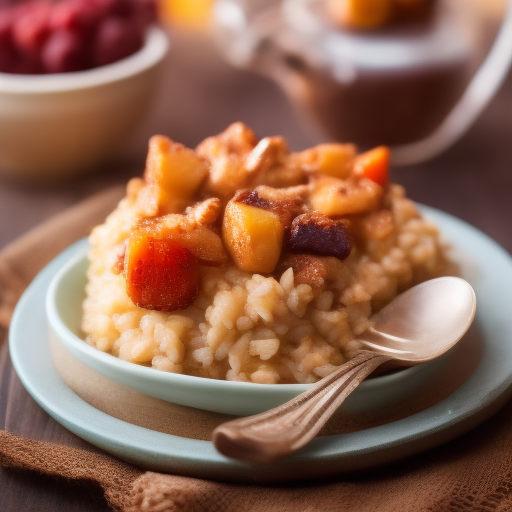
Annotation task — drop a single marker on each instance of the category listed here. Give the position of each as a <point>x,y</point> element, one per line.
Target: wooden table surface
<point>199,96</point>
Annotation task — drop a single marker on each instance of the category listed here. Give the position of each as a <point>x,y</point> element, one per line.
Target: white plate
<point>487,384</point>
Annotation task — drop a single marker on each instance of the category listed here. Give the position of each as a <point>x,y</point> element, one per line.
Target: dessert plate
<point>481,363</point>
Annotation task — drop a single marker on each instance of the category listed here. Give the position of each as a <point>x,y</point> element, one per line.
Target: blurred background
<point>276,67</point>
<point>309,70</point>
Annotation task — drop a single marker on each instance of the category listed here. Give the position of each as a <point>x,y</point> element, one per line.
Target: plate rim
<point>338,454</point>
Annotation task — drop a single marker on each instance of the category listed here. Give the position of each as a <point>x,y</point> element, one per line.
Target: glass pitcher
<point>416,86</point>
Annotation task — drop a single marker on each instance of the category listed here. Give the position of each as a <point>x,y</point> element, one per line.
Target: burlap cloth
<point>472,473</point>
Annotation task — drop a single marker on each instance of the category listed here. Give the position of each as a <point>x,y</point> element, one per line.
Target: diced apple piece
<point>176,170</point>
<point>160,274</point>
<point>253,237</point>
<point>330,159</point>
<point>201,241</point>
<point>335,197</point>
<point>285,209</point>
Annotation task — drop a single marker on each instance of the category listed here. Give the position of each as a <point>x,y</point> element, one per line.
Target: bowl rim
<point>59,326</point>
<point>153,51</point>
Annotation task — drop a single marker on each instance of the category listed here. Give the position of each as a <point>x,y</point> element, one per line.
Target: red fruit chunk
<point>160,274</point>
<point>115,39</point>
<point>64,52</point>
<point>78,16</point>
<point>31,29</point>
<point>44,35</point>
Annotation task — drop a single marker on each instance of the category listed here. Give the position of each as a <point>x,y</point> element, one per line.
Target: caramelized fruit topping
<point>314,233</point>
<point>160,274</point>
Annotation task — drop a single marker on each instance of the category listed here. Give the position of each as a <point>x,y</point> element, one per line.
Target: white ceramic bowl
<point>62,124</point>
<point>64,310</point>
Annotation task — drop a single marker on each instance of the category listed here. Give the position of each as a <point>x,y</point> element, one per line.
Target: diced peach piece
<point>374,165</point>
<point>253,237</point>
<point>176,170</point>
<point>336,197</point>
<point>330,159</point>
<point>160,274</point>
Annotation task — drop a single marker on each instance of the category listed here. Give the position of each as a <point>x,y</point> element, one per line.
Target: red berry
<point>74,16</point>
<point>31,29</point>
<point>64,52</point>
<point>51,35</point>
<point>115,39</point>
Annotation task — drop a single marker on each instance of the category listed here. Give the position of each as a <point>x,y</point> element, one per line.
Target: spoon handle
<point>280,431</point>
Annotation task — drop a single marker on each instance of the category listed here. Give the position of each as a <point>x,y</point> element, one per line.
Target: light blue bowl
<point>64,308</point>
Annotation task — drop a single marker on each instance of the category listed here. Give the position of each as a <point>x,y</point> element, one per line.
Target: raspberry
<point>64,52</point>
<point>31,29</point>
<point>50,36</point>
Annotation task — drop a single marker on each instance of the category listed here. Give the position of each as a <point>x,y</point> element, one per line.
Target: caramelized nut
<point>206,212</point>
<point>307,269</point>
<point>226,154</point>
<point>269,152</point>
<point>270,163</point>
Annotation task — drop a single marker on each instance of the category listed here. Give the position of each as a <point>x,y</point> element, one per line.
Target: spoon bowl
<point>417,326</point>
<point>423,322</point>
